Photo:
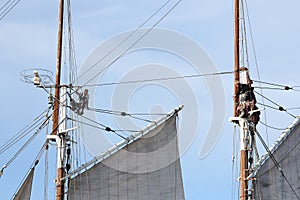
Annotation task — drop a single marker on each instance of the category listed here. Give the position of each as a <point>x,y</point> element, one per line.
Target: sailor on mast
<point>247,98</point>
<point>78,107</point>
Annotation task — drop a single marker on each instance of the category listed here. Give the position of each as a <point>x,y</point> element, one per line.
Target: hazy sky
<point>28,40</point>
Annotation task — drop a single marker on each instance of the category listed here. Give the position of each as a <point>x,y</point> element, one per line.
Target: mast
<point>242,123</point>
<point>60,166</point>
<point>236,56</point>
<point>58,69</point>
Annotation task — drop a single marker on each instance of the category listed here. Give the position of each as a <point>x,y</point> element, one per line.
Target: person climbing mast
<point>83,102</point>
<point>247,107</point>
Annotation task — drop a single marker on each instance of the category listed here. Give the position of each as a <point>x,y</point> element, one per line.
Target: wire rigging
<point>272,127</point>
<point>268,106</point>
<point>137,41</point>
<point>46,166</point>
<point>271,88</point>
<point>160,79</point>
<point>279,106</point>
<point>125,39</point>
<point>7,7</point>
<point>274,84</point>
<point>245,6</point>
<point>277,86</point>
<point>107,129</point>
<point>71,70</point>
<point>18,137</point>
<point>123,114</point>
<point>277,165</point>
<point>41,127</point>
<point>33,165</point>
<point>234,167</point>
<point>71,45</point>
<point>293,108</point>
<point>244,42</point>
<point>25,131</point>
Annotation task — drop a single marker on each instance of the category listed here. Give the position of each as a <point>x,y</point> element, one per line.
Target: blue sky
<point>28,40</point>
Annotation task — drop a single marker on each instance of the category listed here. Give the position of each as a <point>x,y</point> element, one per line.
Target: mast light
<point>36,79</point>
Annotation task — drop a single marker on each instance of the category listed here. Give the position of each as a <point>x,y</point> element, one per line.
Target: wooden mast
<point>243,151</point>
<point>236,56</point>
<point>60,170</point>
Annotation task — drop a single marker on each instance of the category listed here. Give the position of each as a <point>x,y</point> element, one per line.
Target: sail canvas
<point>270,182</point>
<point>148,168</point>
<point>24,191</point>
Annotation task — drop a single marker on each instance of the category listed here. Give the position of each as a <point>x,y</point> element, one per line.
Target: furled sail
<point>147,168</point>
<point>270,182</point>
<point>24,191</point>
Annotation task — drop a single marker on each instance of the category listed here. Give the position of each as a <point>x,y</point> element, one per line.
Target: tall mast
<point>58,69</point>
<point>236,56</point>
<point>242,123</point>
<point>60,166</point>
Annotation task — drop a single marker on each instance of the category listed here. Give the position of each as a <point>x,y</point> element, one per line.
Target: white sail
<point>270,182</point>
<point>24,191</point>
<point>147,168</point>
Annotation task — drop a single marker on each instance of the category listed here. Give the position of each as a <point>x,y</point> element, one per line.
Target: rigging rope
<point>234,167</point>
<point>7,7</point>
<point>25,131</point>
<point>46,167</point>
<point>71,45</point>
<point>33,165</point>
<point>272,88</point>
<point>123,114</point>
<point>18,137</point>
<point>72,76</point>
<point>124,40</point>
<point>279,106</point>
<point>272,127</point>
<point>276,163</point>
<point>46,175</point>
<point>107,129</point>
<point>272,107</point>
<point>274,84</point>
<point>293,108</point>
<point>244,43</point>
<point>256,62</point>
<point>160,79</point>
<point>43,125</point>
<point>137,41</point>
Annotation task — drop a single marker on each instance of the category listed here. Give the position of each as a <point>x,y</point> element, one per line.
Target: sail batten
<point>148,168</point>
